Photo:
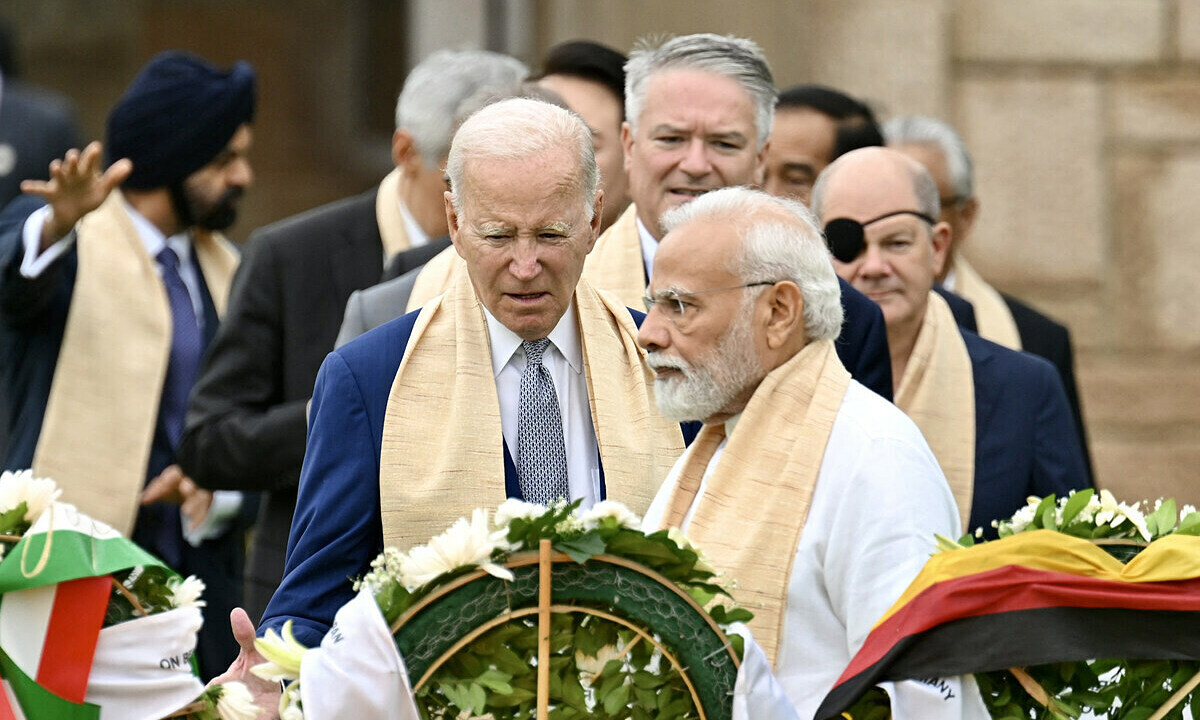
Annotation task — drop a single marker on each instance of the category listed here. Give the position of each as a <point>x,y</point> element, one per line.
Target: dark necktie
<point>187,347</point>
<point>541,453</point>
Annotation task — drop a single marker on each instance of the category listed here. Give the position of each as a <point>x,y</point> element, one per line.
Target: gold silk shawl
<point>992,315</point>
<point>767,471</point>
<point>938,393</point>
<point>436,277</point>
<point>103,406</point>
<point>616,264</point>
<point>387,214</point>
<point>442,451</point>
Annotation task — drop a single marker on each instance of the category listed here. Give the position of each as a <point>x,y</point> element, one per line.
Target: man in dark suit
<point>108,299</point>
<point>247,420</point>
<point>569,413</point>
<point>997,419</point>
<point>1002,318</point>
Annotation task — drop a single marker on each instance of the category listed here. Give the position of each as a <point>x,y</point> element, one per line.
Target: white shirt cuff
<point>35,263</point>
<point>225,505</point>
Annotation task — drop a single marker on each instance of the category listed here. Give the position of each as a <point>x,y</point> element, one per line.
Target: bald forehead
<point>870,179</point>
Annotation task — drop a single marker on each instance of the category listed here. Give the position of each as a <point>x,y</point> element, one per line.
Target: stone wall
<point>1083,116</point>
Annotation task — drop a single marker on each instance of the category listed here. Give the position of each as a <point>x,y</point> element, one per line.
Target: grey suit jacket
<point>371,307</point>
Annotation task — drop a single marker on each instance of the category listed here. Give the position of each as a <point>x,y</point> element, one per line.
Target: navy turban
<point>176,116</point>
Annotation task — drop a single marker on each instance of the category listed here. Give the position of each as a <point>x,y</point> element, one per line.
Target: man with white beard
<point>820,499</point>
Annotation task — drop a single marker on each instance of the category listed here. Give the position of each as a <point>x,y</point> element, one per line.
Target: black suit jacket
<point>246,423</point>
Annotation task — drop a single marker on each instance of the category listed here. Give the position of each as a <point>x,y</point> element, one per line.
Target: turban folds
<point>176,116</point>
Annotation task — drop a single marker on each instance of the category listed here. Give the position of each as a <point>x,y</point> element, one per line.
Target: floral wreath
<point>601,669</point>
<point>137,591</point>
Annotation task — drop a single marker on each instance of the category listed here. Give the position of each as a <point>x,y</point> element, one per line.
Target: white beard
<point>720,376</point>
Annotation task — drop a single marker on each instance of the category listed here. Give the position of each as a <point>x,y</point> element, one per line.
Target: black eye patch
<point>846,238</point>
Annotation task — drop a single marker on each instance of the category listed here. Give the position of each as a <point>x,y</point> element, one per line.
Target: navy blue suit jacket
<point>1025,438</point>
<point>862,345</point>
<point>337,530</point>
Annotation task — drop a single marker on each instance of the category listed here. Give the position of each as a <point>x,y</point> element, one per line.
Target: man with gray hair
<point>246,423</point>
<point>520,381</point>
<point>742,313</point>
<point>699,111</point>
<point>1000,318</point>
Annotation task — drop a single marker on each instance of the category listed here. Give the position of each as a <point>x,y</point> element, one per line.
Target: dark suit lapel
<point>359,263</point>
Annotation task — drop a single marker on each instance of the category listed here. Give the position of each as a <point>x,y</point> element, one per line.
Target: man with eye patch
<point>997,420</point>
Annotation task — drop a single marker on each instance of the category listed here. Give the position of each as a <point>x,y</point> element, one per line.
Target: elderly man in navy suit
<point>997,420</point>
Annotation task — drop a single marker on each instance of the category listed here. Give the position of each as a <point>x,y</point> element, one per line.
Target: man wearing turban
<point>112,281</point>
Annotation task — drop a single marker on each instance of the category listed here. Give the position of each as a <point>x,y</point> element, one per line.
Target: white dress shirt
<point>879,499</point>
<point>225,503</point>
<point>649,246</point>
<point>564,359</point>
<point>416,234</point>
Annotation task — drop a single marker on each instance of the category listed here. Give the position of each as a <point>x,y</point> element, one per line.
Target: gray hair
<point>520,128</point>
<point>920,130</point>
<point>781,241</point>
<point>439,84</point>
<point>735,58</point>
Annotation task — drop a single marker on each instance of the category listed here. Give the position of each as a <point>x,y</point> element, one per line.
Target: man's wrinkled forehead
<point>861,187</point>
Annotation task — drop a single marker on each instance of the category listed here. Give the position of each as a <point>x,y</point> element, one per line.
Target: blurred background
<point>1083,117</point>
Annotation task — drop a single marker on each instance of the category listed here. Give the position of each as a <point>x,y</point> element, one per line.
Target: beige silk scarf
<point>992,316</point>
<point>767,471</point>
<point>436,277</point>
<point>615,264</point>
<point>387,214</point>
<point>442,453</point>
<point>938,393</point>
<point>103,406</point>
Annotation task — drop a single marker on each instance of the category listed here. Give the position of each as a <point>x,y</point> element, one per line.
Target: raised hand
<point>75,188</point>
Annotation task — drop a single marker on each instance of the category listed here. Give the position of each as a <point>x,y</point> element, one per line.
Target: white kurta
<point>880,498</point>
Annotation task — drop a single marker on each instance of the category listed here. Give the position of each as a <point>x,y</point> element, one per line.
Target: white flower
<point>611,509</point>
<point>37,493</point>
<point>1185,511</point>
<point>514,509</point>
<point>289,703</point>
<point>1022,518</point>
<point>235,702</point>
<point>703,564</point>
<point>385,568</point>
<point>591,666</point>
<point>1107,509</point>
<point>186,592</point>
<point>465,544</point>
<point>283,654</point>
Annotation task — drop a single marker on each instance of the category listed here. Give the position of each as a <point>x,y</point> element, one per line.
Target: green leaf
<point>13,522</point>
<point>1045,513</point>
<point>495,681</point>
<point>1075,504</point>
<point>616,699</point>
<point>1190,525</point>
<point>583,548</point>
<point>726,616</point>
<point>1162,520</point>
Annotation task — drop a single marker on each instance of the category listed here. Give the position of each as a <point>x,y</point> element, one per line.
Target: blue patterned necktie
<point>187,348</point>
<point>541,453</point>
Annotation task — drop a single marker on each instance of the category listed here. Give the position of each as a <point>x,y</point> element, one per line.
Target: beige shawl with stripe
<point>103,406</point>
<point>992,316</point>
<point>442,453</point>
<point>615,264</point>
<point>768,471</point>
<point>938,393</point>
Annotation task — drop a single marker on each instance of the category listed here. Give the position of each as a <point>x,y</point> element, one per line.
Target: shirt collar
<point>649,245</point>
<point>416,235</point>
<point>153,239</point>
<point>564,336</point>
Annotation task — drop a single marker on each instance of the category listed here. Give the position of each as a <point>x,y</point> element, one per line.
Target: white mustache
<point>660,362</point>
